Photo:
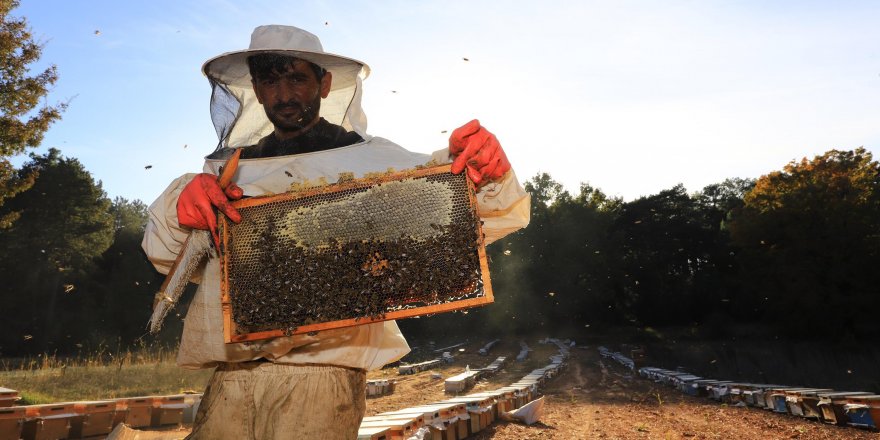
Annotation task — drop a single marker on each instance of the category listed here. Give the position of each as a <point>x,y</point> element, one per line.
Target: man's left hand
<point>476,149</point>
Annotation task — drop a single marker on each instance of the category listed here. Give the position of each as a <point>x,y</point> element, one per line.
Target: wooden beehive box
<point>372,433</point>
<point>479,409</point>
<point>95,418</point>
<point>138,410</point>
<point>863,411</point>
<point>11,422</point>
<point>764,397</point>
<point>794,399</point>
<point>429,415</point>
<point>831,404</point>
<point>499,402</point>
<point>506,399</point>
<point>50,421</point>
<point>193,401</point>
<point>364,250</point>
<point>460,382</point>
<point>416,419</point>
<point>8,397</point>
<point>396,428</point>
<point>443,419</point>
<point>168,410</point>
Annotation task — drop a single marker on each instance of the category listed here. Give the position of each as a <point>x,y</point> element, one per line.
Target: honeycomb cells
<point>352,252</point>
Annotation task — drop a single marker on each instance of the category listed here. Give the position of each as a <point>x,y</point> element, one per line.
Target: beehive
<point>392,246</point>
<point>479,408</point>
<point>11,422</point>
<point>832,405</point>
<point>168,410</point>
<point>48,421</point>
<point>8,397</point>
<point>96,418</point>
<point>138,410</point>
<point>441,418</point>
<point>460,382</point>
<point>397,428</point>
<point>373,433</point>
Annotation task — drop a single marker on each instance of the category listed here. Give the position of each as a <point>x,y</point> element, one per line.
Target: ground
<point>593,398</point>
<point>596,398</point>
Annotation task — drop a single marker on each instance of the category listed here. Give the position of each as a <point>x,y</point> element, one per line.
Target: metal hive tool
<point>387,247</point>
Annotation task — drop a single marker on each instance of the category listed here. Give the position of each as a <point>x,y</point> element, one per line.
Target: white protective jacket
<point>504,207</point>
<point>241,120</point>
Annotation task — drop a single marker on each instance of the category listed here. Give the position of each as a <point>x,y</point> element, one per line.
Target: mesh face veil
<point>240,120</point>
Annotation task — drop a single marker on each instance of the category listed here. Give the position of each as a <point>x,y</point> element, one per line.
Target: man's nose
<point>286,91</point>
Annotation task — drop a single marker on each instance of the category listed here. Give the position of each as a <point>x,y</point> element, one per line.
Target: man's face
<point>292,96</point>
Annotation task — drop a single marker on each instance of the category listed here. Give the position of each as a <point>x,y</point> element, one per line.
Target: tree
<point>721,198</point>
<point>21,124</point>
<point>555,274</point>
<point>579,260</point>
<point>124,283</point>
<point>666,245</point>
<point>809,239</point>
<point>65,224</point>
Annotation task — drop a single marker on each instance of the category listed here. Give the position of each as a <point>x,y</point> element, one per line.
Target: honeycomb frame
<point>466,295</point>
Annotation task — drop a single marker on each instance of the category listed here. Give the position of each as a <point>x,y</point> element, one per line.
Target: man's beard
<point>306,116</point>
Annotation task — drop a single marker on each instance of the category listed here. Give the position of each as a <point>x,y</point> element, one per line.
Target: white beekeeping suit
<point>241,121</point>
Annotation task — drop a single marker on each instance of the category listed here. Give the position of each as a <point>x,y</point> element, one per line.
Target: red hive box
<point>7,397</point>
<point>11,422</point>
<point>94,418</point>
<point>48,422</point>
<point>138,410</point>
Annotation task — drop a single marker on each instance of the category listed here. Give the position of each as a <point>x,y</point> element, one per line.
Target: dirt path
<point>599,399</point>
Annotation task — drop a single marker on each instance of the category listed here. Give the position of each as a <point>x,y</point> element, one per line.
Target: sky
<point>632,97</point>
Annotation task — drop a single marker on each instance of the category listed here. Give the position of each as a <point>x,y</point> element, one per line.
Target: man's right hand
<point>195,206</point>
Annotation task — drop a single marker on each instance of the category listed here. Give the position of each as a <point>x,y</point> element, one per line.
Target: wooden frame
<point>233,335</point>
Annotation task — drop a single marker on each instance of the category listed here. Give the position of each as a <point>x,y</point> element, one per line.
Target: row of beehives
<point>380,387</point>
<point>419,367</point>
<point>617,356</point>
<point>426,365</point>
<point>465,380</point>
<point>95,418</point>
<point>485,350</point>
<point>459,417</point>
<point>859,409</point>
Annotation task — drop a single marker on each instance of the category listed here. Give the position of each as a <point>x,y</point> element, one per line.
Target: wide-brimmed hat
<point>231,68</point>
<point>237,114</point>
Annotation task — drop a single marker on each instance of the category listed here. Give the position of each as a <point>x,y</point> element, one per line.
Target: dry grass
<point>99,375</point>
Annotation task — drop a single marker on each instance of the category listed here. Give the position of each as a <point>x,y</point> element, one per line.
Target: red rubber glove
<point>195,206</point>
<point>476,149</point>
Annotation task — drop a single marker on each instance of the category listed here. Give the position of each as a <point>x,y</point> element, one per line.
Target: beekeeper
<point>295,113</point>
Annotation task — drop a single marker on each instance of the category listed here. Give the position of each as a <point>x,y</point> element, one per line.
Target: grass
<point>98,376</point>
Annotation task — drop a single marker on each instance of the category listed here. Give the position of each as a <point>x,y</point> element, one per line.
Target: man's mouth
<point>287,109</point>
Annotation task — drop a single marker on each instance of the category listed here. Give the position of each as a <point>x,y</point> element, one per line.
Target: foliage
<point>810,241</point>
<point>124,282</point>
<point>64,225</point>
<point>792,250</point>
<point>22,125</point>
<point>795,248</point>
<point>100,374</point>
<point>65,218</point>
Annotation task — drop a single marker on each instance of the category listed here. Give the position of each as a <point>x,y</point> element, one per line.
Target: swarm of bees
<point>285,284</point>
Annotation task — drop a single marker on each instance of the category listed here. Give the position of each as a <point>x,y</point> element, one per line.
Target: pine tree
<point>22,123</point>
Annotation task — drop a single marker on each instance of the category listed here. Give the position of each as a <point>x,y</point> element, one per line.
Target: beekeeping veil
<point>240,120</point>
